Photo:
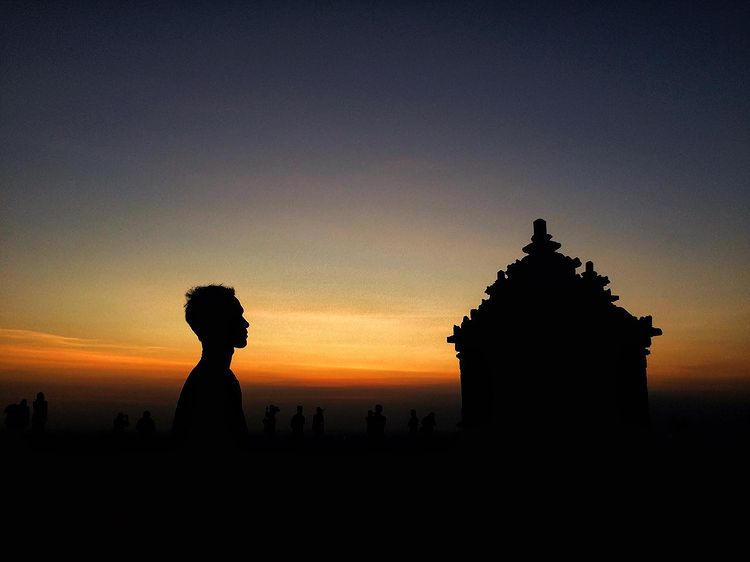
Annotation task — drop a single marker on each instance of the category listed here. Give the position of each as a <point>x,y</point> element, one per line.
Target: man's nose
<point>247,324</point>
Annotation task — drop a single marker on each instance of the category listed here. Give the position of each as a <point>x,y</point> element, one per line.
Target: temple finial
<point>540,229</point>
<point>541,241</point>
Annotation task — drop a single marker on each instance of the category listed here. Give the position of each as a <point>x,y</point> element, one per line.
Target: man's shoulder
<point>197,381</point>
<point>232,379</point>
<point>194,376</point>
<point>203,376</point>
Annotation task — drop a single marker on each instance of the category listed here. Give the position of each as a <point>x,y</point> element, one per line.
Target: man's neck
<point>219,357</point>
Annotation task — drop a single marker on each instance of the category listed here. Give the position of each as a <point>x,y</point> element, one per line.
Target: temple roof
<point>543,274</point>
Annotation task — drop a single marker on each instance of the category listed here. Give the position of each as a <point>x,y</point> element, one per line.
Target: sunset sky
<point>359,173</point>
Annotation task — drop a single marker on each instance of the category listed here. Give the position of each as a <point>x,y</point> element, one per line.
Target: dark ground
<point>688,444</point>
<point>341,494</point>
<point>695,466</point>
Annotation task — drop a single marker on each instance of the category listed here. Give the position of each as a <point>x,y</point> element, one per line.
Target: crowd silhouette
<point>17,419</point>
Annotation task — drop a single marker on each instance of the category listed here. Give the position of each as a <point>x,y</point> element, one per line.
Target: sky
<point>359,172</point>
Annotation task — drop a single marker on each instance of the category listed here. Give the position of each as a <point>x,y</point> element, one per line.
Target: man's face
<point>237,325</point>
<point>228,326</point>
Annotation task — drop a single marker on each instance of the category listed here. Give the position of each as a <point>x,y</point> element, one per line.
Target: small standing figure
<point>318,423</point>
<point>120,423</point>
<point>370,421</point>
<point>269,419</point>
<point>146,427</point>
<point>39,417</point>
<point>298,424</point>
<point>378,422</point>
<point>13,418</point>
<point>24,414</point>
<point>413,423</point>
<point>428,424</point>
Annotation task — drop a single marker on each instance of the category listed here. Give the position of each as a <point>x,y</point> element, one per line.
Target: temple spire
<point>540,230</point>
<point>540,240</point>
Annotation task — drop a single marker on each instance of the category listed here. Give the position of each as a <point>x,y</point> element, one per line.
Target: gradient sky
<point>359,172</point>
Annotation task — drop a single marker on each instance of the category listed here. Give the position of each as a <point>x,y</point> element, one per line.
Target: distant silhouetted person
<point>39,417</point>
<point>269,419</point>
<point>209,411</point>
<point>14,418</point>
<point>377,423</point>
<point>121,423</point>
<point>413,423</point>
<point>24,414</point>
<point>318,423</point>
<point>11,415</point>
<point>146,427</point>
<point>428,424</point>
<point>298,423</point>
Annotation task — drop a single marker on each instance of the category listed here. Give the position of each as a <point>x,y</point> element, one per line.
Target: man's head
<point>215,315</point>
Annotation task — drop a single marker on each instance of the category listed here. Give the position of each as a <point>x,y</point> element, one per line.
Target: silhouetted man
<point>298,423</point>
<point>378,422</point>
<point>370,421</point>
<point>24,414</point>
<point>13,417</point>
<point>39,417</point>
<point>428,424</point>
<point>209,411</point>
<point>145,426</point>
<point>413,423</point>
<point>318,423</point>
<point>121,422</point>
<point>269,419</point>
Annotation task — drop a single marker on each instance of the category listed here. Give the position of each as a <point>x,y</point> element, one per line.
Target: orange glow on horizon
<point>43,356</point>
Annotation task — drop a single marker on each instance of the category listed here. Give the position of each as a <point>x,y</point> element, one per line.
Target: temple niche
<point>550,357</point>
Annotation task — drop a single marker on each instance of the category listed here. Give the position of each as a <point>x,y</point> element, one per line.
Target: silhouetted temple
<point>548,356</point>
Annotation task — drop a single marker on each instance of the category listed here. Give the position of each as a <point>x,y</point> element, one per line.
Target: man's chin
<point>240,344</point>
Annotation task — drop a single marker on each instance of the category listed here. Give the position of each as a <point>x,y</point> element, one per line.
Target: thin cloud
<point>31,337</point>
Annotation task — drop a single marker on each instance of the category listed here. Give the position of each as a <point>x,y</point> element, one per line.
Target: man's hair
<point>205,305</point>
